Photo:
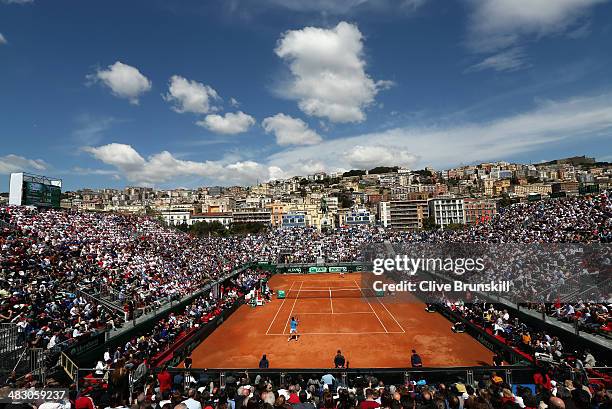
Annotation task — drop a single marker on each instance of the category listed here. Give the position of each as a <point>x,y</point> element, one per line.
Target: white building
<point>384,211</point>
<point>223,218</point>
<point>175,217</point>
<point>447,211</point>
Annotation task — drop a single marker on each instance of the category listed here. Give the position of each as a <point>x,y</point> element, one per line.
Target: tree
<point>383,169</point>
<point>354,172</point>
<point>454,226</point>
<point>204,229</point>
<point>506,200</point>
<point>423,172</point>
<point>430,224</point>
<point>345,200</point>
<point>183,227</point>
<point>247,228</point>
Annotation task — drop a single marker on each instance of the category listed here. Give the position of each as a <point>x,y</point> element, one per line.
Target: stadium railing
<point>8,338</point>
<point>99,300</point>
<point>68,365</point>
<point>343,376</point>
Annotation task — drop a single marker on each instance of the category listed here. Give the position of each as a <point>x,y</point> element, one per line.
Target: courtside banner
<point>472,272</point>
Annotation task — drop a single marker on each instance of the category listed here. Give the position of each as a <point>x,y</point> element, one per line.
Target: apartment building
<point>175,217</point>
<point>224,218</point>
<point>406,214</point>
<point>252,215</point>
<point>447,211</point>
<point>533,188</point>
<point>479,210</point>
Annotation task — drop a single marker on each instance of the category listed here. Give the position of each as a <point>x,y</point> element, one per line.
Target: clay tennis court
<point>335,313</point>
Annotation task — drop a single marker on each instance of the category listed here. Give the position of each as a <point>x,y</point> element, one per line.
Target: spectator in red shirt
<point>165,380</point>
<point>542,378</point>
<point>369,403</point>
<point>293,396</point>
<point>84,402</point>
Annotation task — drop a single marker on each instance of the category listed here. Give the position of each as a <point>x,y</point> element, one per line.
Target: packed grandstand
<point>51,262</point>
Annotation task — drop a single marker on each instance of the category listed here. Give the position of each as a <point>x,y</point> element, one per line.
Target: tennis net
<point>331,293</point>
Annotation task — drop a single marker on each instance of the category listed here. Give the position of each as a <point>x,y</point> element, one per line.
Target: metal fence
<point>9,338</point>
<point>25,361</point>
<point>342,377</point>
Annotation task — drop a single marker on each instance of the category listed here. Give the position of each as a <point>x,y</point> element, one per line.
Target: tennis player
<point>293,331</point>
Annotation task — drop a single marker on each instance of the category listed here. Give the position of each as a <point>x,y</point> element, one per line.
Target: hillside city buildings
<point>397,198</point>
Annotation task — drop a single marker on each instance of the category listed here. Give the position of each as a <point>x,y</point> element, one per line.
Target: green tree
<point>506,200</point>
<point>247,228</point>
<point>354,172</point>
<point>204,229</point>
<point>454,226</point>
<point>430,224</point>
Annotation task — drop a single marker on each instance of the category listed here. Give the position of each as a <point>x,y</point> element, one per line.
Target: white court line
<point>331,303</point>
<point>325,289</point>
<point>379,320</point>
<point>279,308</point>
<point>336,313</point>
<point>392,316</point>
<point>291,312</point>
<point>340,333</point>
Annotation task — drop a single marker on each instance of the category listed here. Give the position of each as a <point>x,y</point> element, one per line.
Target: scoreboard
<point>35,190</point>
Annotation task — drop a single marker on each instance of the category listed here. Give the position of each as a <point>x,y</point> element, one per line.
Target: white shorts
<point>293,331</point>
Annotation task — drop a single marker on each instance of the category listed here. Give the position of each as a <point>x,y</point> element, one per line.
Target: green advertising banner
<point>338,269</point>
<point>317,270</point>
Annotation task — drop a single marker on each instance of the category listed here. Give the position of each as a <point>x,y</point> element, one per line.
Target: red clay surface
<point>369,331</point>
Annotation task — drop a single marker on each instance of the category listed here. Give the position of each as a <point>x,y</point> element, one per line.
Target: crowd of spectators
<point>547,249</point>
<point>135,360</point>
<point>593,318</point>
<point>570,220</point>
<point>38,284</point>
<point>47,256</point>
<point>191,390</point>
<point>50,258</point>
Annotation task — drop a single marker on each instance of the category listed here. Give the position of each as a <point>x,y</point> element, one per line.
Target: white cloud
<point>290,131</point>
<point>14,163</point>
<point>508,60</point>
<point>124,81</point>
<point>249,172</point>
<point>89,171</point>
<point>496,24</point>
<point>164,167</point>
<point>553,123</point>
<point>117,154</point>
<point>576,119</point>
<point>3,39</point>
<point>234,102</point>
<point>190,96</point>
<point>228,124</point>
<point>328,69</point>
<point>367,157</point>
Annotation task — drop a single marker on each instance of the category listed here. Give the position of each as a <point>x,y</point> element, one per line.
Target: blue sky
<point>190,93</point>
